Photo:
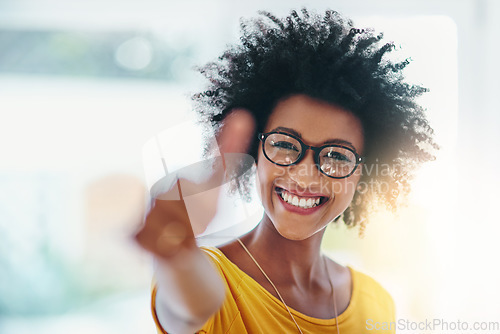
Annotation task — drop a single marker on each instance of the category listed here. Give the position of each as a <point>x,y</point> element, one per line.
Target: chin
<point>292,234</point>
<point>292,237</point>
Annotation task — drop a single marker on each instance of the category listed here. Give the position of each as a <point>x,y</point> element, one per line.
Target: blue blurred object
<point>35,276</point>
<point>117,54</point>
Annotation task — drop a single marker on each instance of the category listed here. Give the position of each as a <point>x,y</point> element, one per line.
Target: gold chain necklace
<point>281,298</point>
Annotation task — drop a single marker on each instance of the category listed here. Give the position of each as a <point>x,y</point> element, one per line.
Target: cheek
<point>262,183</point>
<point>347,193</point>
<point>266,175</point>
<point>261,179</point>
<point>343,191</point>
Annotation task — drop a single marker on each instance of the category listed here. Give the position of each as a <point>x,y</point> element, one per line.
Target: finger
<point>169,223</point>
<point>163,241</point>
<point>237,132</point>
<point>233,139</point>
<point>165,228</point>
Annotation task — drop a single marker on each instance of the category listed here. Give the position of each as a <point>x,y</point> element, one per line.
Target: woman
<point>318,106</point>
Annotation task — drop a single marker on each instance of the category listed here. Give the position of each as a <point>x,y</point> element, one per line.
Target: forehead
<point>317,121</point>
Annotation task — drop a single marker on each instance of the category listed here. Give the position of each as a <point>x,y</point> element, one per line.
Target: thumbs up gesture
<point>185,209</point>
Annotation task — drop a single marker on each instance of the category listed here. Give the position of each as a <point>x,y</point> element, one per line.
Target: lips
<point>302,201</point>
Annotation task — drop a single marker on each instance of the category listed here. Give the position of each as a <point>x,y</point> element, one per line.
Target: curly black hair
<point>325,57</point>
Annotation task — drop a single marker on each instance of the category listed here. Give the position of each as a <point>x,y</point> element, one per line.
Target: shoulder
<point>212,252</point>
<point>368,286</point>
<point>370,293</point>
<point>218,254</point>
<point>233,255</point>
<point>216,257</point>
<point>226,268</point>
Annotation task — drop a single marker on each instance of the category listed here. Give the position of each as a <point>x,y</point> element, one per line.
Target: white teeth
<point>302,202</point>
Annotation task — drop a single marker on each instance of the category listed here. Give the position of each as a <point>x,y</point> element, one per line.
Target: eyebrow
<point>334,141</point>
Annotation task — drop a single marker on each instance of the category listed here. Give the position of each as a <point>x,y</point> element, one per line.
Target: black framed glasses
<point>283,149</point>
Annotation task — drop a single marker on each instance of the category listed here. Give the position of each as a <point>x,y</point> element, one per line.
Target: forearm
<point>189,291</point>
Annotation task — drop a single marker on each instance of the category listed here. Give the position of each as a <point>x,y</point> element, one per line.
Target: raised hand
<point>186,209</point>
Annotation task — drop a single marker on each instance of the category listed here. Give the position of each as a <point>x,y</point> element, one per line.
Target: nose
<point>305,172</point>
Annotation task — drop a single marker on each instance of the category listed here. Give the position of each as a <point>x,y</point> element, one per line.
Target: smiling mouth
<point>303,202</point>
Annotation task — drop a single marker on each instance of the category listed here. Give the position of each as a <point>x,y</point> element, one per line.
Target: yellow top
<point>249,308</point>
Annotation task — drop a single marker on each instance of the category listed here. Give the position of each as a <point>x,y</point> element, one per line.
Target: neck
<point>297,262</point>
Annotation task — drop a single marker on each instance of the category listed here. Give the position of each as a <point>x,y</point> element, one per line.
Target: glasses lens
<point>337,161</point>
<point>282,149</point>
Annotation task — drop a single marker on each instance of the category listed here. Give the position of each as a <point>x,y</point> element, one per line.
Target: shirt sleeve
<point>224,317</point>
<point>159,327</point>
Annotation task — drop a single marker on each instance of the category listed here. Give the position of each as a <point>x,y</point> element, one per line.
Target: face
<point>316,123</point>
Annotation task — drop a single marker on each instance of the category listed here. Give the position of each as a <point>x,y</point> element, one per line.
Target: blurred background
<point>86,85</point>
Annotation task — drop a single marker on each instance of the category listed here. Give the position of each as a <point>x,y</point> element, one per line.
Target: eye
<point>337,156</point>
<point>285,145</point>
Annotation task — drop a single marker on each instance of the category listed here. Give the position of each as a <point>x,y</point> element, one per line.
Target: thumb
<point>237,132</point>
